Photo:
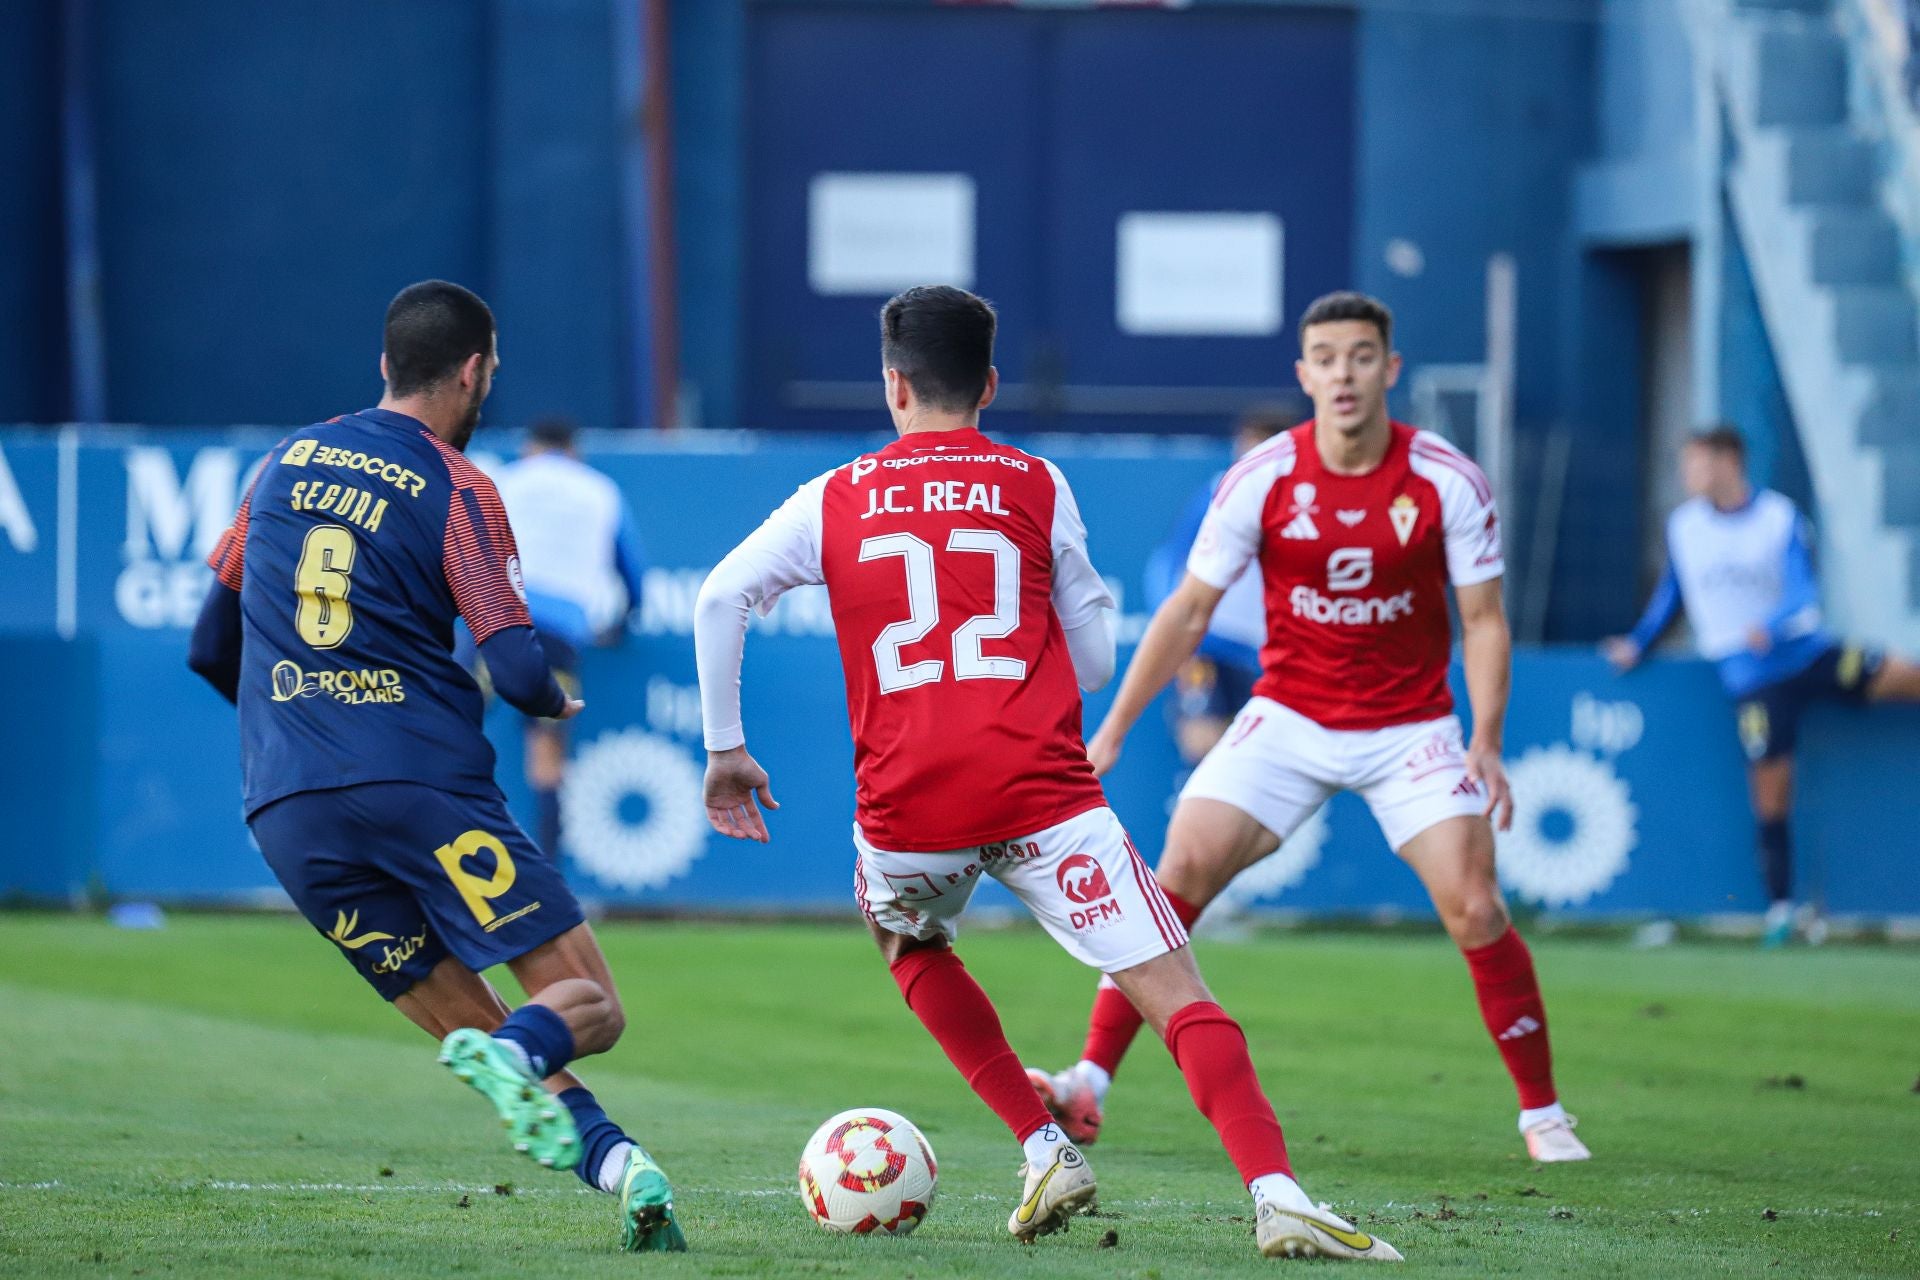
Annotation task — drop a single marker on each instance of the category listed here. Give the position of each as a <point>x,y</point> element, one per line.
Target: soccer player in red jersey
<point>967,611</point>
<point>1359,524</point>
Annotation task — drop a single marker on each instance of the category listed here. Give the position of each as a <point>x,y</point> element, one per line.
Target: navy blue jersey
<point>359,543</point>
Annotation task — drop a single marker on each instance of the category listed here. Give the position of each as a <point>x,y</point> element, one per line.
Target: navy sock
<point>543,1034</point>
<point>1776,860</point>
<point>598,1135</point>
<point>546,820</point>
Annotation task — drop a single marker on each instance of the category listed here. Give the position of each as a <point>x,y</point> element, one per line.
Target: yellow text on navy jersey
<point>344,501</point>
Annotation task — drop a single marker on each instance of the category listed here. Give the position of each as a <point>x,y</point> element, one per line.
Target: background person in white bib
<point>1740,562</point>
<point>582,563</point>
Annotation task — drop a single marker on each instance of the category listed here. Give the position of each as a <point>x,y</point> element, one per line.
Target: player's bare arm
<point>1487,650</point>
<point>1178,626</point>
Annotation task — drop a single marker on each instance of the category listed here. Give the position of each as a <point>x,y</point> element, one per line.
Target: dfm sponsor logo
<point>1084,882</point>
<point>173,523</point>
<point>355,688</point>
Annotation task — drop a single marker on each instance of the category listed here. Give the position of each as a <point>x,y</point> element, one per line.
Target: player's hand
<point>1759,641</point>
<point>1621,651</point>
<point>1103,749</point>
<point>734,779</point>
<point>573,708</point>
<point>1484,767</point>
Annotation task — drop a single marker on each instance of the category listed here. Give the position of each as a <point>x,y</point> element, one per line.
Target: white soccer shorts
<point>1082,879</point>
<point>1278,766</point>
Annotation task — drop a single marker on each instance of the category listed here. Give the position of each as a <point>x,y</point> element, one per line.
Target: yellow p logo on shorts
<point>477,891</point>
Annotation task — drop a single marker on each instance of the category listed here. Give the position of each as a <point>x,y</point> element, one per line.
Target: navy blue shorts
<point>1769,717</point>
<point>400,875</point>
<point>1211,688</point>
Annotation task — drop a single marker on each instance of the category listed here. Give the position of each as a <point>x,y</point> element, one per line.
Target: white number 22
<point>923,600</point>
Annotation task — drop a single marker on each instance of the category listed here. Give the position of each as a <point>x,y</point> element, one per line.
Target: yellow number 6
<point>320,586</point>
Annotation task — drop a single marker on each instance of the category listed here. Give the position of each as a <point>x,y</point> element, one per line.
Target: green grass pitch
<point>224,1098</point>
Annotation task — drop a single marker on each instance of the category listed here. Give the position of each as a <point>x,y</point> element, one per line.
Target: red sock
<point>951,1005</point>
<point>1511,1005</point>
<point>1115,1022</point>
<point>1211,1051</point>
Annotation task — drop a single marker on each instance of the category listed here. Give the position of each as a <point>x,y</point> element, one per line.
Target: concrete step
<point>1900,464</point>
<point>1800,76</point>
<point>1892,411</point>
<point>1830,167</point>
<point>1874,324</point>
<point>1854,246</point>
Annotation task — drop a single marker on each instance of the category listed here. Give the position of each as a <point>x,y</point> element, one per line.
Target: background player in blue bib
<point>367,781</point>
<point>1739,561</point>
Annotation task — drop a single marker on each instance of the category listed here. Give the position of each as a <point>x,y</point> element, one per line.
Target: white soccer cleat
<point>1551,1141</point>
<point>1053,1195</point>
<point>1286,1232</point>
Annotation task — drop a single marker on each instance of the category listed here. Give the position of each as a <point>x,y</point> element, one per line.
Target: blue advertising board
<point>122,767</point>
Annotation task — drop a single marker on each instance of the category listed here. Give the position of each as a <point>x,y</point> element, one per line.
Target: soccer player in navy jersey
<point>367,781</point>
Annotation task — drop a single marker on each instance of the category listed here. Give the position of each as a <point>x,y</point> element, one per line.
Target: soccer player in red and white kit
<point>967,611</point>
<point>1359,523</point>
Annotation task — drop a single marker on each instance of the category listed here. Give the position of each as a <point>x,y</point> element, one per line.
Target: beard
<point>469,420</point>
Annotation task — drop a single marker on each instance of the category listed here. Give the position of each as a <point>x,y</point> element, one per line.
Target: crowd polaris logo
<point>354,687</point>
<point>1350,612</point>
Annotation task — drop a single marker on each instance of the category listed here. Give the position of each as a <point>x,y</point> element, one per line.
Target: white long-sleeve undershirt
<point>784,552</point>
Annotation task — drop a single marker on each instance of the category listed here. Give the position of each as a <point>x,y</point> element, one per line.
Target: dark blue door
<point>1093,148</point>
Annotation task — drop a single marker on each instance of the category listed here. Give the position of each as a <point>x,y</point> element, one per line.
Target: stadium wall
<point>266,177</point>
<point>121,774</point>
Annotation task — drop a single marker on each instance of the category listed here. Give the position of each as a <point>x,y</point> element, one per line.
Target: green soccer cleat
<point>646,1208</point>
<point>540,1127</point>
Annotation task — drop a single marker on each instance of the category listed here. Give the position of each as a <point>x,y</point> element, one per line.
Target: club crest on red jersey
<point>1405,513</point>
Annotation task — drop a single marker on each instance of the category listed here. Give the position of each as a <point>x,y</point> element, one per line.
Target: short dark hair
<point>940,339</point>
<point>552,432</point>
<point>432,327</point>
<point>1348,305</point>
<point>1722,438</point>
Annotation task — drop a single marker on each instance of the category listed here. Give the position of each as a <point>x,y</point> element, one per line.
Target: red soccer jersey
<point>952,564</point>
<point>1356,569</point>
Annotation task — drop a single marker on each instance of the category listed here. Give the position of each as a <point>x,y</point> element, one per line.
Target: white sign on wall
<point>879,233</point>
<point>1188,274</point>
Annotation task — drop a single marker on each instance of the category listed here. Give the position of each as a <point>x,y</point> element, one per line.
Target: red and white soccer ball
<point>868,1170</point>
